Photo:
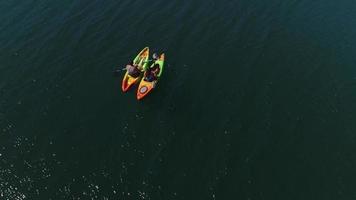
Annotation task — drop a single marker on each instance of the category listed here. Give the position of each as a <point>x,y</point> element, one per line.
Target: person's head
<point>155,56</point>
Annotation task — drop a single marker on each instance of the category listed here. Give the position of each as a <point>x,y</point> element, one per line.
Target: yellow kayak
<point>141,60</point>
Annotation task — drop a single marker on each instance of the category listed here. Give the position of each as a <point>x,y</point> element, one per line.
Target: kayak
<point>145,87</point>
<point>141,60</point>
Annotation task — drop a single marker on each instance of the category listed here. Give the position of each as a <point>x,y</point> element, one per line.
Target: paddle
<point>118,71</point>
<point>149,61</point>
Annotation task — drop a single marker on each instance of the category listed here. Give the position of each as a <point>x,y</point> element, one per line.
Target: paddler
<point>133,70</point>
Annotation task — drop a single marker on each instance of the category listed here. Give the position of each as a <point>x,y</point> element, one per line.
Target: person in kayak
<point>152,73</point>
<point>133,70</point>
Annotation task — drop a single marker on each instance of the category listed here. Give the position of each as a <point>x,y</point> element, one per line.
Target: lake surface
<point>257,100</point>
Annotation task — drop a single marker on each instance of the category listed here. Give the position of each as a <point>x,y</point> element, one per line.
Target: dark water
<point>257,100</point>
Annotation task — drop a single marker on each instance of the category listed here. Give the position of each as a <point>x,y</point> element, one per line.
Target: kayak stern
<point>144,88</point>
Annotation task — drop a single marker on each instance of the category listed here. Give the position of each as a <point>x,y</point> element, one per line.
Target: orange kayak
<point>141,60</point>
<point>145,86</point>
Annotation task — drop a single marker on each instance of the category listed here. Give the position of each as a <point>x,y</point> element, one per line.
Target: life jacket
<point>150,75</point>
